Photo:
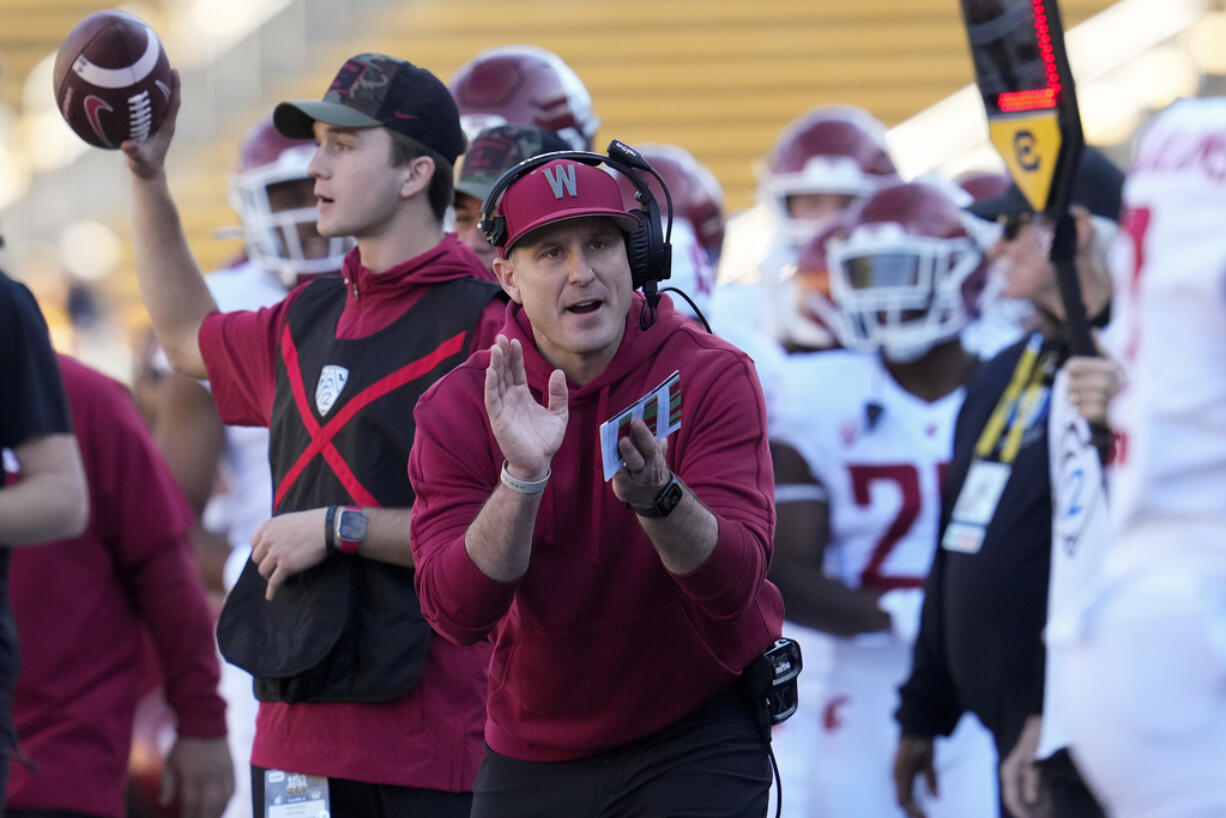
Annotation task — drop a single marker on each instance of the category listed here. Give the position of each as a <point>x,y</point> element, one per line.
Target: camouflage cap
<point>496,150</point>
<point>374,90</point>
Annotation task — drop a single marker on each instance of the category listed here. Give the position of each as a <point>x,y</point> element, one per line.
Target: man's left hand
<point>199,776</point>
<point>288,544</point>
<point>644,472</point>
<point>1092,383</point>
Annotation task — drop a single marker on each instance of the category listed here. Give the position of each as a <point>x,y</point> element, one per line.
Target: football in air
<point>112,79</point>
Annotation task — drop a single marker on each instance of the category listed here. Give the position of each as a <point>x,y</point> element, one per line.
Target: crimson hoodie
<point>83,606</point>
<point>598,644</point>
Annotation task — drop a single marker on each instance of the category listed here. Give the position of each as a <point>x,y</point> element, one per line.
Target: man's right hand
<point>147,159</point>
<point>527,433</point>
<point>1020,778</point>
<point>913,757</point>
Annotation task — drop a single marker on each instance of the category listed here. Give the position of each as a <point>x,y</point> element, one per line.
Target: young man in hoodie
<point>361,711</point>
<point>622,612</point>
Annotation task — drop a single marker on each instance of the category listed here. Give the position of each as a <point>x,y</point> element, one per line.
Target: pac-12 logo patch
<point>332,380</point>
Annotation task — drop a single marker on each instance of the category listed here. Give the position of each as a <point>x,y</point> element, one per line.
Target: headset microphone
<point>629,155</point>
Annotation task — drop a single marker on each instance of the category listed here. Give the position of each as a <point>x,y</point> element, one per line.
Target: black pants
<point>1065,792</point>
<point>358,799</point>
<point>711,764</point>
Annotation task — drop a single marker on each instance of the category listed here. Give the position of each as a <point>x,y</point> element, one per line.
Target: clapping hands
<point>528,433</point>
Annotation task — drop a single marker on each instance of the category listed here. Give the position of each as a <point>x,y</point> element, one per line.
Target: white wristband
<point>523,486</point>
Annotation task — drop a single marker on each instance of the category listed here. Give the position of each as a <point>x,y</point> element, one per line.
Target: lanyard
<point>1021,397</point>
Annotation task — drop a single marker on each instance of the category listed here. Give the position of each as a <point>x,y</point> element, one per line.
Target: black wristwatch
<point>665,501</point>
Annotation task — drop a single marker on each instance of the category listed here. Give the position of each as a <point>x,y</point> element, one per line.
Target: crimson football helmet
<point>831,149</point>
<point>697,195</point>
<point>524,85</point>
<point>281,240</point>
<point>907,275</point>
<point>983,184</point>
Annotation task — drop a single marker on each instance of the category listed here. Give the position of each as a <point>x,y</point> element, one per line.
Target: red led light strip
<point>1040,98</point>
<point>1027,100</point>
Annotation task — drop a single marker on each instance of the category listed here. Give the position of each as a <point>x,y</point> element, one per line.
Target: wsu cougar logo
<point>332,380</point>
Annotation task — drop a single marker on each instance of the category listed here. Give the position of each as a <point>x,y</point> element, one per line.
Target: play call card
<point>660,409</point>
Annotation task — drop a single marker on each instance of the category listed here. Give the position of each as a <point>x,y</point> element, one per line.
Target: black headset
<point>648,249</point>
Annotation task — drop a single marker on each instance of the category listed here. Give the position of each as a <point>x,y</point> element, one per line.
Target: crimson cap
<point>373,90</point>
<point>560,190</point>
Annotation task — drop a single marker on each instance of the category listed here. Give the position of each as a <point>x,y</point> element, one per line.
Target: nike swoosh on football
<point>93,105</point>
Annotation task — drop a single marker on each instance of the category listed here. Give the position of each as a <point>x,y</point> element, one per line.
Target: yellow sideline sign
<point>1030,145</point>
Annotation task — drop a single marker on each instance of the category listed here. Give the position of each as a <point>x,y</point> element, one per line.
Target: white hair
<point>1105,231</point>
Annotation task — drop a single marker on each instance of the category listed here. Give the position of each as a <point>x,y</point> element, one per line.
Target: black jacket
<point>980,644</point>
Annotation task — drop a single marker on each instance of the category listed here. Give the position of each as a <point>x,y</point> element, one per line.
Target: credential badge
<point>332,380</point>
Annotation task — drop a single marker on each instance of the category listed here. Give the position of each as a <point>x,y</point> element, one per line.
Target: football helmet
<point>524,85</point>
<point>697,195</point>
<point>907,275</point>
<point>283,241</point>
<point>832,149</point>
<point>814,319</point>
<point>983,184</point>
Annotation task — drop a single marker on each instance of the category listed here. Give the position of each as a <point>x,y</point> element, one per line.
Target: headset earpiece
<point>638,249</point>
<point>650,255</point>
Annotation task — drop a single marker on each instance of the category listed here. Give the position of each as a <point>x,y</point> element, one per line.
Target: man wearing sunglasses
<point>980,646</point>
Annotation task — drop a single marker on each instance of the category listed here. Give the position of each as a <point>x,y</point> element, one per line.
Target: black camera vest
<point>348,629</point>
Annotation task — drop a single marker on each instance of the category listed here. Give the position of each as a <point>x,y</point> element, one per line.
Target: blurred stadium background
<point>719,77</point>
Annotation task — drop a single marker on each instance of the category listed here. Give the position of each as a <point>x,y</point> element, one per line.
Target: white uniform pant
<point>852,766</point>
<point>793,742</point>
<point>1148,719</point>
<point>241,707</point>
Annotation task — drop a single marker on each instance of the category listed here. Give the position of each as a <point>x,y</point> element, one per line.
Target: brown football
<point>112,79</point>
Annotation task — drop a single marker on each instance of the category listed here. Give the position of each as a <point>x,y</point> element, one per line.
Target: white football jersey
<point>879,452</point>
<point>748,292</point>
<point>1169,325</point>
<point>691,271</point>
<point>247,500</point>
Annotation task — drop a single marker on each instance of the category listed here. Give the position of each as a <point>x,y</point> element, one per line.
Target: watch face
<point>669,499</point>
<point>351,526</point>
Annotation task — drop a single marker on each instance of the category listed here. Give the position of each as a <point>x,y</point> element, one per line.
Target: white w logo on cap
<point>564,178</point>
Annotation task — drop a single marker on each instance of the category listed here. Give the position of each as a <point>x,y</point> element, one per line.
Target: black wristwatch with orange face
<point>665,501</point>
